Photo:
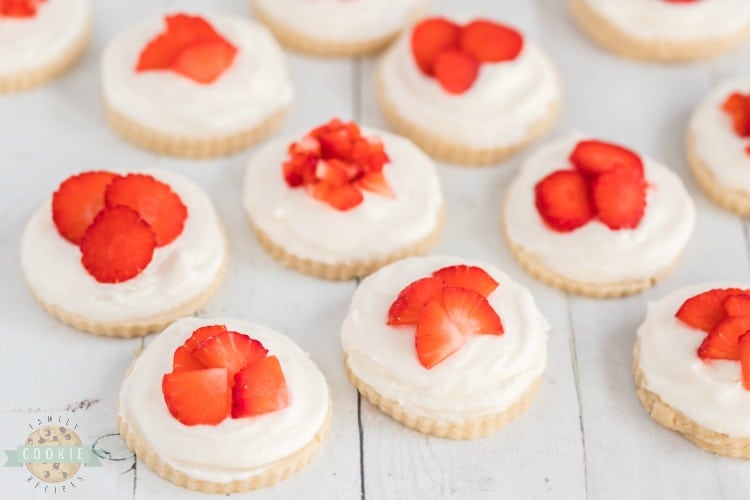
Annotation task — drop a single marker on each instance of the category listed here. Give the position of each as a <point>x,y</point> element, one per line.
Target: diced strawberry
<point>437,336</point>
<point>491,42</point>
<point>470,277</point>
<point>737,305</point>
<point>260,387</point>
<point>594,158</point>
<point>198,397</point>
<point>705,310</point>
<point>19,8</point>
<point>407,307</point>
<point>308,145</point>
<point>620,198</point>
<point>336,139</point>
<point>182,31</point>
<point>369,153</point>
<point>430,38</point>
<point>203,333</point>
<point>341,198</point>
<point>154,200</point>
<point>456,71</point>
<point>334,172</point>
<point>204,62</point>
<point>184,361</point>
<point>230,350</point>
<point>471,312</point>
<point>722,341</point>
<point>744,347</point>
<point>77,201</point>
<point>117,246</point>
<point>737,106</point>
<point>563,200</point>
<point>299,170</point>
<point>375,182</point>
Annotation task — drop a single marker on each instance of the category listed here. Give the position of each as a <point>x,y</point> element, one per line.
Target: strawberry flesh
<point>184,361</point>
<point>203,333</point>
<point>620,198</point>
<point>737,106</point>
<point>705,310</point>
<point>259,388</point>
<point>456,71</point>
<point>407,307</point>
<point>471,312</point>
<point>491,42</point>
<point>437,336</point>
<point>593,158</point>
<point>77,202</point>
<point>469,277</point>
<point>743,345</point>
<point>198,397</point>
<point>430,38</point>
<point>563,200</point>
<point>204,62</point>
<point>230,350</point>
<point>722,341</point>
<point>737,305</point>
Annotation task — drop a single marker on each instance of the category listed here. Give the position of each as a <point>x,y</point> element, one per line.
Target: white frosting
<point>33,42</point>
<point>594,253</point>
<point>661,20</point>
<point>710,392</point>
<point>506,100</point>
<point>343,20</point>
<point>253,88</point>
<point>485,376</point>
<point>178,272</point>
<point>311,229</point>
<point>236,448</point>
<point>720,149</point>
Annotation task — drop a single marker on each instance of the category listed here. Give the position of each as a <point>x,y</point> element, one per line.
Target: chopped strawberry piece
<point>182,30</point>
<point>620,198</point>
<point>77,202</point>
<point>594,158</point>
<point>375,182</point>
<point>198,397</point>
<point>334,172</point>
<point>260,387</point>
<point>722,341</point>
<point>407,307</point>
<point>737,305</point>
<point>117,246</point>
<point>300,169</point>
<point>19,8</point>
<point>471,312</point>
<point>230,350</point>
<point>184,361</point>
<point>189,29</point>
<point>563,200</point>
<point>469,277</point>
<point>204,62</point>
<point>430,38</point>
<point>491,42</point>
<point>155,201</point>
<point>744,347</point>
<point>437,336</point>
<point>159,53</point>
<point>341,198</point>
<point>705,310</point>
<point>737,106</point>
<point>203,333</point>
<point>456,71</point>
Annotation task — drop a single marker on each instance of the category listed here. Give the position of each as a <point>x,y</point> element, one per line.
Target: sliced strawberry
<point>620,198</point>
<point>407,307</point>
<point>491,42</point>
<point>230,350</point>
<point>154,200</point>
<point>430,38</point>
<point>563,200</point>
<point>77,201</point>
<point>159,53</point>
<point>470,277</point>
<point>182,30</point>
<point>437,336</point>
<point>184,361</point>
<point>203,333</point>
<point>334,172</point>
<point>721,341</point>
<point>737,305</point>
<point>117,246</point>
<point>204,62</point>
<point>744,347</point>
<point>198,397</point>
<point>737,106</point>
<point>705,310</point>
<point>299,170</point>
<point>341,198</point>
<point>260,387</point>
<point>19,8</point>
<point>594,158</point>
<point>456,71</point>
<point>336,139</point>
<point>471,312</point>
<point>188,29</point>
<point>375,182</point>
<point>369,154</point>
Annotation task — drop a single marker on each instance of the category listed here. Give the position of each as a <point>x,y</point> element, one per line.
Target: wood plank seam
<point>579,399</point>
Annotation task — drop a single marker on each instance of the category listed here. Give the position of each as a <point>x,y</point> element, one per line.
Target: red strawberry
<point>375,182</point>
<point>117,246</point>
<point>456,71</point>
<point>198,397</point>
<point>77,201</point>
<point>336,139</point>
<point>184,361</point>
<point>407,307</point>
<point>721,341</point>
<point>563,200</point>
<point>155,201</point>
<point>159,53</point>
<point>681,1</point>
<point>705,310</point>
<point>737,106</point>
<point>182,30</point>
<point>19,8</point>
<point>620,198</point>
<point>230,350</point>
<point>203,333</point>
<point>341,198</point>
<point>204,62</point>
<point>188,29</point>
<point>430,38</point>
<point>595,157</point>
<point>490,42</point>
<point>260,387</point>
<point>737,305</point>
<point>744,347</point>
<point>470,277</point>
<point>471,312</point>
<point>300,169</point>
<point>437,337</point>
<point>334,172</point>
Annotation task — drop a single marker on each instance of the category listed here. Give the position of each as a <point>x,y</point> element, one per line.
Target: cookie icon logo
<point>53,436</point>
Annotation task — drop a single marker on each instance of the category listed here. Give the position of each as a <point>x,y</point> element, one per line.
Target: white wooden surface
<point>586,435</point>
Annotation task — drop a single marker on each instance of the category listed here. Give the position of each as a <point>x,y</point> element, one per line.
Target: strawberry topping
<point>620,198</point>
<point>744,348</point>
<point>564,201</point>
<point>456,71</point>
<point>198,397</point>
<point>737,106</point>
<point>19,8</point>
<point>430,38</point>
<point>470,277</point>
<point>260,387</point>
<point>593,158</point>
<point>722,341</point>
<point>203,333</point>
<point>705,310</point>
<point>490,42</point>
<point>230,350</point>
<point>77,201</point>
<point>407,307</point>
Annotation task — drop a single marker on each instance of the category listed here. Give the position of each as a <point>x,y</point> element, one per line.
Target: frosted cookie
<point>446,346</point>
<point>470,94</point>
<point>39,40</point>
<point>337,27</point>
<point>596,219</point>
<point>124,254</point>
<point>692,365</point>
<point>195,86</point>
<point>664,30</point>
<point>223,406</point>
<point>342,201</point>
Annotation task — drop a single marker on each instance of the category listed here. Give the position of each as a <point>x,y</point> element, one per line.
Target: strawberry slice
<point>77,201</point>
<point>260,387</point>
<point>722,341</point>
<point>744,347</point>
<point>737,305</point>
<point>341,198</point>
<point>594,158</point>
<point>203,333</point>
<point>490,42</point>
<point>705,310</point>
<point>408,306</point>
<point>184,361</point>
<point>469,277</point>
<point>437,336</point>
<point>205,61</point>
<point>471,312</point>
<point>19,8</point>
<point>154,200</point>
<point>375,182</point>
<point>182,30</point>
<point>430,38</point>
<point>737,106</point>
<point>117,246</point>
<point>334,172</point>
<point>563,200</point>
<point>456,71</point>
<point>198,397</point>
<point>230,350</point>
<point>188,29</point>
<point>620,198</point>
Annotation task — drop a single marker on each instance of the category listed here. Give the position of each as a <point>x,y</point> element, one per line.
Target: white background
<point>586,435</point>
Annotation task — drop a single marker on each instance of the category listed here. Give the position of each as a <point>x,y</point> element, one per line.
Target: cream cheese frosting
<point>251,90</point>
<point>594,253</point>
<point>661,20</point>
<point>235,449</point>
<point>487,375</point>
<point>33,42</point>
<point>311,229</point>
<point>709,392</point>
<point>178,272</point>
<point>717,145</point>
<point>505,102</point>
